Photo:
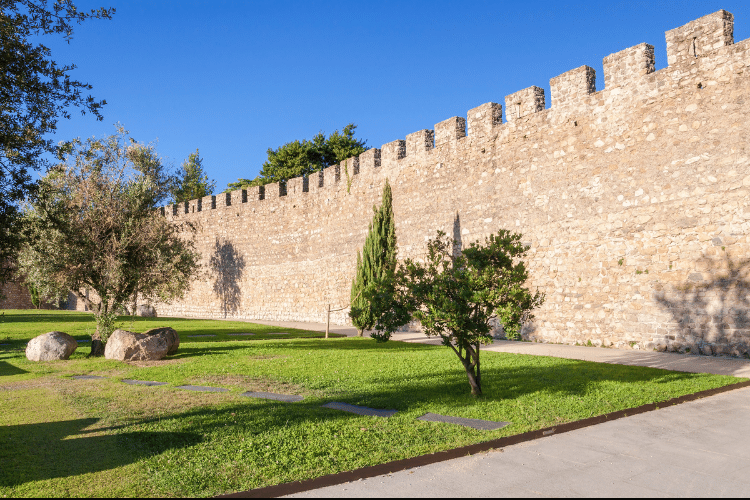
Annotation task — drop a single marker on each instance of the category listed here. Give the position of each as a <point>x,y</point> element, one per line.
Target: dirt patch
<point>35,383</point>
<point>247,383</point>
<point>160,362</point>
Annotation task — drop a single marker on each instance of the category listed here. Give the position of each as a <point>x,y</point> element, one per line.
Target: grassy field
<point>65,437</point>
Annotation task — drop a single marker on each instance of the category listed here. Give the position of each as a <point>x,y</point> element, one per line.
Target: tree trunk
<point>472,368</point>
<point>478,371</point>
<point>97,346</point>
<point>471,365</point>
<point>476,389</point>
<point>360,333</point>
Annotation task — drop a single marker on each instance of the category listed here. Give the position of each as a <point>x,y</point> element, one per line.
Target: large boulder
<point>51,346</point>
<point>146,311</point>
<point>170,335</point>
<point>152,345</point>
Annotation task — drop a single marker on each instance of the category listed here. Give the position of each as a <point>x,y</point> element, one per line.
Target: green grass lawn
<point>65,437</point>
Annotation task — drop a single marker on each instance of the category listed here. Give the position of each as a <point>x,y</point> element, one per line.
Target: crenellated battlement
<point>700,38</point>
<point>631,198</point>
<point>687,45</point>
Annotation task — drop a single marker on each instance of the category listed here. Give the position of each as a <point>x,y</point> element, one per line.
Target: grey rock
<point>146,311</point>
<point>51,346</point>
<point>706,350</point>
<point>123,345</point>
<point>170,335</point>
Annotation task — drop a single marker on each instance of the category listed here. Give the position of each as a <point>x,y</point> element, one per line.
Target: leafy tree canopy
<point>192,181</point>
<point>34,93</point>
<point>302,158</point>
<point>94,226</point>
<point>455,295</point>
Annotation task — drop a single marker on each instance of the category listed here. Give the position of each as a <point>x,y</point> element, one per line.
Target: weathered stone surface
<point>51,346</point>
<point>170,336</point>
<point>146,311</point>
<point>123,345</point>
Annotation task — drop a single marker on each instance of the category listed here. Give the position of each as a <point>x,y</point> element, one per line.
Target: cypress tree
<point>377,258</point>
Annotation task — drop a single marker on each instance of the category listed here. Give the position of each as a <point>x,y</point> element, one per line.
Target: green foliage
<point>94,226</point>
<point>34,293</point>
<point>35,92</point>
<point>454,296</point>
<point>378,259</point>
<point>245,184</point>
<point>192,182</point>
<point>302,158</point>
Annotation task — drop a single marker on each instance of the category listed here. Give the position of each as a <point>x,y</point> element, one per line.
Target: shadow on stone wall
<point>458,244</point>
<point>711,312</point>
<point>227,266</point>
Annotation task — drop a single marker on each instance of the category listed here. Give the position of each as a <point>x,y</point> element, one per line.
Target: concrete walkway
<point>700,448</point>
<point>696,449</point>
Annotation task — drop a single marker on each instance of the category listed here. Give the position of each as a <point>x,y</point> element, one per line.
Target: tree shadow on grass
<point>34,452</point>
<point>9,369</point>
<point>50,317</point>
<point>204,346</point>
<point>504,376</point>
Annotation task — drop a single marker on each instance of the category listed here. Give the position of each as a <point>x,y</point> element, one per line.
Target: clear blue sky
<point>234,78</point>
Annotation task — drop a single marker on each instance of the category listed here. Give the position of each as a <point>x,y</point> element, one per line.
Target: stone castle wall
<point>634,201</point>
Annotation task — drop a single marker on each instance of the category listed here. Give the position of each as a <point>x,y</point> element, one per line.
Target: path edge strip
<point>441,456</point>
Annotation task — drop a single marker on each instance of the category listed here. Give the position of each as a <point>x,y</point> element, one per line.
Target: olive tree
<point>455,295</point>
<point>94,227</point>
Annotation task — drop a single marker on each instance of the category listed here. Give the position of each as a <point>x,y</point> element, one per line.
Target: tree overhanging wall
<point>634,200</point>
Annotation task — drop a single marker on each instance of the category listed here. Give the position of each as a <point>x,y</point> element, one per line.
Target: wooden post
<point>328,321</point>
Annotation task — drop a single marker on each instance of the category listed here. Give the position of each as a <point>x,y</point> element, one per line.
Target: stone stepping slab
<point>277,333</point>
<point>474,423</point>
<point>239,334</point>
<point>142,382</point>
<point>287,398</point>
<point>88,377</point>
<point>200,388</point>
<point>195,336</point>
<point>360,410</point>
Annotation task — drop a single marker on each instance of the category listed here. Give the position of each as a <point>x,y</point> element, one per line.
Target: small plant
<point>589,344</point>
<point>619,262</point>
<point>34,293</point>
<point>579,279</point>
<point>687,350</point>
<point>632,343</point>
<point>724,249</point>
<point>670,266</point>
